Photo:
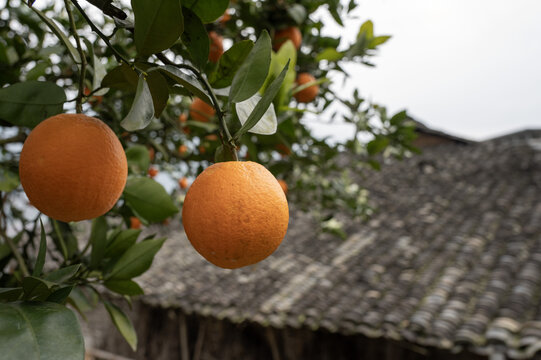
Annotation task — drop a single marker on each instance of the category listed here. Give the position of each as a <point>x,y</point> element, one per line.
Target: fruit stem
<point>118,55</point>
<point>82,70</point>
<point>228,142</point>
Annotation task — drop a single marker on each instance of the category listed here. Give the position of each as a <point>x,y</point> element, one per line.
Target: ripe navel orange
<point>308,94</point>
<point>201,111</point>
<point>73,167</point>
<point>290,33</point>
<point>235,214</point>
<point>216,46</point>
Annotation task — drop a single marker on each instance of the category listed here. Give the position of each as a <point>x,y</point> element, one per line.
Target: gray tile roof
<point>452,258</point>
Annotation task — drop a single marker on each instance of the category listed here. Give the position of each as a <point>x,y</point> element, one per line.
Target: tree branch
<point>82,71</point>
<point>109,9</point>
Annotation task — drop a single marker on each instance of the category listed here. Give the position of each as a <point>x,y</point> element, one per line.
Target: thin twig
<point>109,9</point>
<point>223,126</point>
<point>20,137</point>
<point>105,39</point>
<point>82,71</point>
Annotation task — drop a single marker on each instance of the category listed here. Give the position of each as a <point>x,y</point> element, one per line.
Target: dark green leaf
<point>36,289</point>
<point>39,331</point>
<point>142,109</point>
<point>398,118</point>
<point>195,38</point>
<point>122,77</point>
<point>98,240</point>
<point>136,260</point>
<point>38,70</point>
<point>60,35</point>
<point>263,104</point>
<point>122,242</point>
<point>252,73</point>
<point>5,250</point>
<point>207,10</point>
<point>159,91</point>
<point>10,294</point>
<point>124,287</point>
<point>188,82</point>
<point>158,25</point>
<point>40,260</point>
<point>138,159</point>
<point>30,102</point>
<point>123,324</point>
<point>229,63</point>
<point>8,180</point>
<point>64,274</point>
<point>148,199</point>
<point>59,296</point>
<point>377,145</point>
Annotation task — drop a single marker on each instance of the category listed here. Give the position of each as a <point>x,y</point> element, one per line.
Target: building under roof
<point>448,267</point>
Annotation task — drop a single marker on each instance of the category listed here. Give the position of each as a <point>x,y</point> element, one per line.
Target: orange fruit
<point>182,118</point>
<point>202,149</point>
<point>94,99</point>
<point>152,172</point>
<point>235,214</point>
<point>72,167</point>
<point>283,185</point>
<point>211,137</point>
<point>135,223</point>
<point>225,17</point>
<point>182,149</point>
<point>151,153</point>
<point>183,183</point>
<point>283,149</point>
<point>216,46</point>
<point>201,111</point>
<point>290,33</point>
<point>308,94</point>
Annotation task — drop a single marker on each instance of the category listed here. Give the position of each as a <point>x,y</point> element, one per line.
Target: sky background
<point>467,67</point>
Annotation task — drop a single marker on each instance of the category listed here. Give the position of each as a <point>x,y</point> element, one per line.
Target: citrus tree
<point>176,85</point>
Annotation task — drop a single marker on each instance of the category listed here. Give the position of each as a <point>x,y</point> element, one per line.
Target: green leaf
<point>158,25</point>
<point>148,199</point>
<point>40,260</point>
<point>98,240</point>
<point>8,180</point>
<point>142,109</point>
<point>5,250</point>
<point>122,77</point>
<point>187,82</point>
<point>138,159</point>
<point>266,125</point>
<point>378,40</point>
<point>229,63</point>
<point>398,118</point>
<point>38,70</point>
<point>63,274</point>
<point>252,73</point>
<point>59,296</point>
<point>136,260</point>
<point>329,54</point>
<point>366,29</point>
<point>30,102</point>
<point>263,104</point>
<point>159,90</point>
<point>122,242</point>
<point>60,35</point>
<point>124,287</point>
<point>36,289</point>
<point>10,294</point>
<point>297,12</point>
<point>287,53</point>
<point>207,10</point>
<point>39,331</point>
<point>195,38</point>
<point>123,324</point>
<point>377,145</point>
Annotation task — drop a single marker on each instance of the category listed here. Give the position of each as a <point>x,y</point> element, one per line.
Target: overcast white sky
<point>468,67</point>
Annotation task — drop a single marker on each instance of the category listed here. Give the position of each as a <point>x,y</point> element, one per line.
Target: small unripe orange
<point>308,94</point>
